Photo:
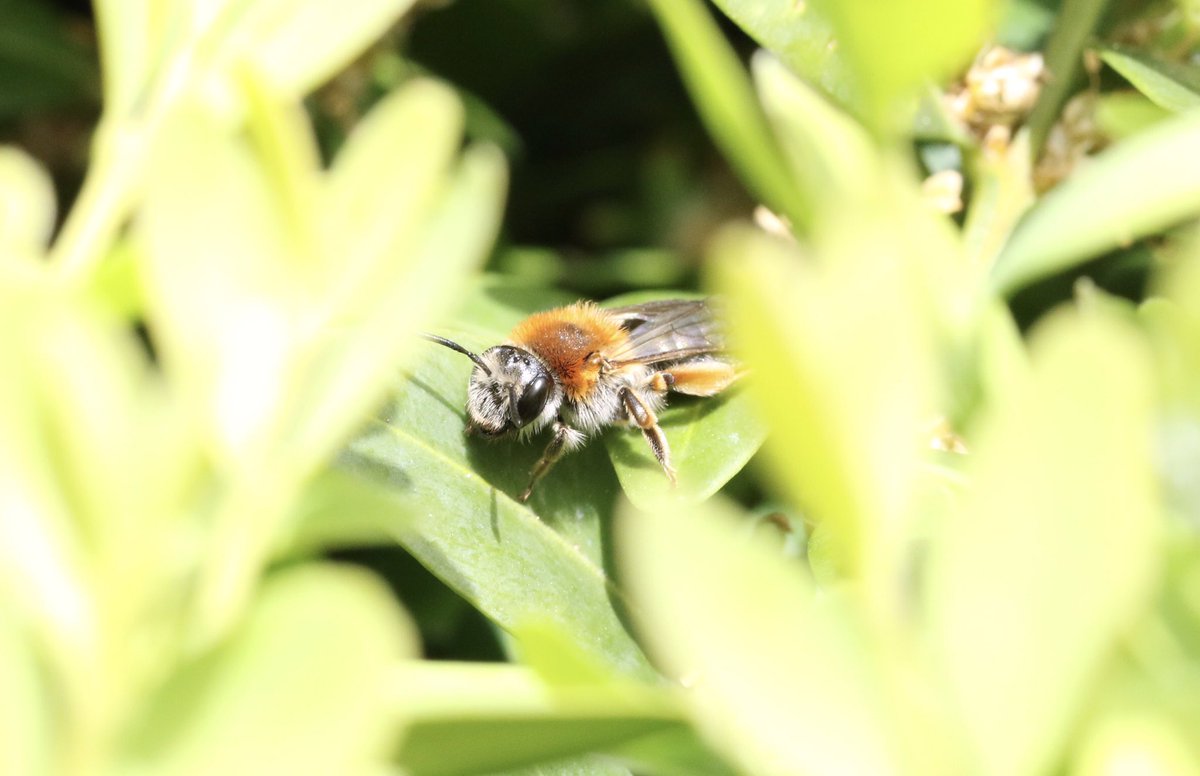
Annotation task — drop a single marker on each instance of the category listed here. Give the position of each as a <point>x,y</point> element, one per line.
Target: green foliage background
<point>241,530</point>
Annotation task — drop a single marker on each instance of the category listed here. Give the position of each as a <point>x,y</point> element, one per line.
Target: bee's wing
<point>668,330</point>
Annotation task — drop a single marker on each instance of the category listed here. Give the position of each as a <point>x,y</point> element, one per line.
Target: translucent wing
<point>668,330</point>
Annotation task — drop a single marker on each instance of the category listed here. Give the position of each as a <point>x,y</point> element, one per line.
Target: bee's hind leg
<point>565,439</point>
<point>643,416</point>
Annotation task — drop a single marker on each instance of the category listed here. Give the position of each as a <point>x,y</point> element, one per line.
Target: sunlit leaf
<point>298,45</point>
<point>780,678</point>
<point>1064,57</point>
<point>727,104</point>
<point>1003,193</point>
<point>831,155</point>
<point>1137,187</point>
<point>223,302</point>
<point>128,38</point>
<point>373,328</point>
<point>27,204</point>
<point>1122,114</point>
<point>877,43</point>
<point>800,35</point>
<point>25,719</point>
<point>840,369</point>
<point>1175,87</point>
<point>1055,551</point>
<point>297,689</point>
<point>477,718</point>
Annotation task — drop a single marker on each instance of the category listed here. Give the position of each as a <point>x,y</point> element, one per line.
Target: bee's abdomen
<point>572,342</point>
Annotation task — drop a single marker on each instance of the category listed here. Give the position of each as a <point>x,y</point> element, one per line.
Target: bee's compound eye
<point>533,399</point>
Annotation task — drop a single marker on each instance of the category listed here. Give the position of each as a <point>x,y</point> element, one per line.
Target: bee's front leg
<point>641,414</point>
<point>564,439</point>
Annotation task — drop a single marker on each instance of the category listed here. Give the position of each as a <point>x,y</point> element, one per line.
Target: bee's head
<point>510,389</point>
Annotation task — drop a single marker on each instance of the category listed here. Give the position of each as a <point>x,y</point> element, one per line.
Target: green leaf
<point>478,718</point>
<point>832,157</point>
<point>1175,87</point>
<point>844,391</point>
<point>296,689</point>
<point>1136,188</point>
<point>1003,193</point>
<point>1064,56</point>
<point>218,269</point>
<point>128,41</point>
<point>371,328</point>
<point>801,36</point>
<point>1055,551</point>
<point>1122,114</point>
<point>878,43</point>
<point>297,45</point>
<point>27,204</point>
<point>779,677</point>
<point>518,564</point>
<point>727,104</point>
<point>711,440</point>
<point>25,716</point>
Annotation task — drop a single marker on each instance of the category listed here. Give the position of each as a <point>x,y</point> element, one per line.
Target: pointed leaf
<point>727,104</point>
<point>478,718</point>
<point>296,689</point>
<point>1055,551</point>
<point>778,676</point>
<point>1175,87</point>
<point>1136,188</point>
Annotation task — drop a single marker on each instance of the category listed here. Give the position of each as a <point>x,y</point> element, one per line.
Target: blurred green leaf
<point>475,718</point>
<point>1024,23</point>
<point>25,717</point>
<point>130,33</point>
<point>1175,87</point>
<point>779,678</point>
<point>841,371</point>
<point>27,204</point>
<point>1122,114</point>
<point>1137,187</point>
<point>892,49</point>
<point>674,751</point>
<point>223,288</point>
<point>297,688</point>
<point>1064,56</point>
<point>297,45</point>
<point>725,99</point>
<point>1055,552</point>
<point>800,36</point>
<point>368,336</point>
<point>832,158</point>
<point>1003,193</point>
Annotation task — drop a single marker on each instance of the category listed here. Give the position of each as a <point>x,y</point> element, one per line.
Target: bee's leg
<point>641,414</point>
<point>702,377</point>
<point>564,439</point>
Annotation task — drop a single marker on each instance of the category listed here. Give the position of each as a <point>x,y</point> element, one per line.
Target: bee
<point>580,368</point>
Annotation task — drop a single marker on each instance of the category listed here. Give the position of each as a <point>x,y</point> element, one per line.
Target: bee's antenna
<point>455,346</point>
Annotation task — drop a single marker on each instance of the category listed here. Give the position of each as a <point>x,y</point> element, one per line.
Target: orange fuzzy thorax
<point>571,341</point>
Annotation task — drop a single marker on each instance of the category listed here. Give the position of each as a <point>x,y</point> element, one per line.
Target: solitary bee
<point>581,367</point>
